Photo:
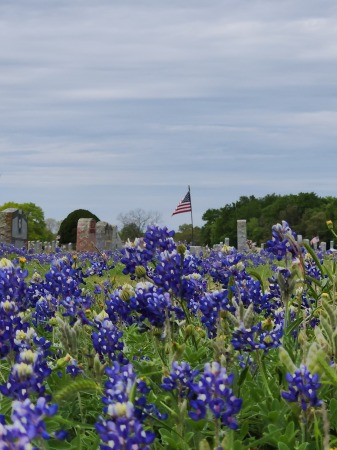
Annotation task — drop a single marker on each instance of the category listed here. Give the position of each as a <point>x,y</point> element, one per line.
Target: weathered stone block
<point>13,227</point>
<point>86,235</point>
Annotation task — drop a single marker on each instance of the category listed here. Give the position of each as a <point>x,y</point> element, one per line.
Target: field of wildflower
<point>157,348</point>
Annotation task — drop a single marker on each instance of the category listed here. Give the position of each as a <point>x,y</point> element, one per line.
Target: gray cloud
<point>116,105</point>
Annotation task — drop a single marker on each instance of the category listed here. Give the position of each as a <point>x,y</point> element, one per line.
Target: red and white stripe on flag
<point>184,206</point>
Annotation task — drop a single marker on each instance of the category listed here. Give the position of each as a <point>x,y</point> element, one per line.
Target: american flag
<point>184,206</point>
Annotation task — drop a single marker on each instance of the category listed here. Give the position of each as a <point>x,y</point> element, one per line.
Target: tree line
<point>306,213</point>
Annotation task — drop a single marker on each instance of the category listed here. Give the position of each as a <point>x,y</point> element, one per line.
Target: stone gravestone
<point>117,243</point>
<point>86,235</point>
<point>242,235</point>
<point>13,227</point>
<point>103,236</point>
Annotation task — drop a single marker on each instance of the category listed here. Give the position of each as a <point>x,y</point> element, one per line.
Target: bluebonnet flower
<point>311,268</point>
<point>24,338</point>
<point>143,250</point>
<point>244,338</point>
<point>10,249</point>
<point>150,303</point>
<point>283,241</point>
<point>99,265</point>
<point>172,270</point>
<point>245,360</point>
<point>145,301</point>
<point>117,306</point>
<point>134,254</point>
<point>303,388</point>
<point>210,306</point>
<point>223,266</point>
<point>27,375</point>
<point>10,323</point>
<point>214,394</point>
<point>98,289</point>
<point>257,337</point>
<point>106,340</point>
<point>62,287</point>
<point>180,275</point>
<point>45,308</point>
<point>271,299</point>
<point>27,424</point>
<point>122,425</point>
<point>250,292</point>
<point>12,284</point>
<point>181,378</point>
<point>158,239</point>
<point>73,369</point>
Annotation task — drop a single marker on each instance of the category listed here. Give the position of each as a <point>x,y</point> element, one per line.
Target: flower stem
<point>263,372</point>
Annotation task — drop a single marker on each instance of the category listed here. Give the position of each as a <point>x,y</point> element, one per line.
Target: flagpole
<point>189,190</point>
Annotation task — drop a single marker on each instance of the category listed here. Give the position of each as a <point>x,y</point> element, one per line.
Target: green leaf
<point>238,445</point>
<point>328,371</point>
<point>5,405</point>
<point>188,436</point>
<point>293,326</point>
<point>243,375</point>
<point>66,423</point>
<point>303,446</point>
<point>74,387</point>
<point>333,413</point>
<point>282,446</point>
<point>58,445</point>
<point>172,440</point>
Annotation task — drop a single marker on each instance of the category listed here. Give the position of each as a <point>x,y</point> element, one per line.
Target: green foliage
<point>306,213</point>
<point>74,387</point>
<point>130,231</point>
<point>37,228</point>
<point>184,234</point>
<point>68,228</point>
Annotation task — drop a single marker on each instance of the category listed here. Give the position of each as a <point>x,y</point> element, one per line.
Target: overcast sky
<point>116,105</point>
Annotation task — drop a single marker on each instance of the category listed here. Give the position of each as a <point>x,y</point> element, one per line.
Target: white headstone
<point>242,235</point>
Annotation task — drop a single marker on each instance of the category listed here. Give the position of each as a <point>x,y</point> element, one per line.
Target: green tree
<point>37,228</point>
<point>68,227</point>
<point>130,231</point>
<point>306,213</point>
<point>254,230</point>
<point>184,234</point>
<point>210,217</point>
<point>314,224</point>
